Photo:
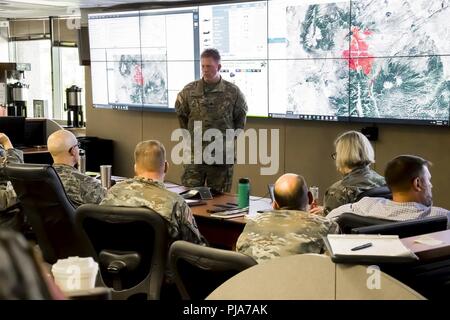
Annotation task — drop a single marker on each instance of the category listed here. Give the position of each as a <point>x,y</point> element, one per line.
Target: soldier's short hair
<point>150,155</point>
<point>353,150</point>
<point>211,53</point>
<point>294,197</point>
<point>401,171</point>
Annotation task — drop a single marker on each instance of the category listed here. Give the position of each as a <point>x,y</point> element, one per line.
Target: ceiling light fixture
<point>45,3</point>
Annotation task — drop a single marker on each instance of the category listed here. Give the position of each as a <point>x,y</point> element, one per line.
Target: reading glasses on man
<point>76,145</point>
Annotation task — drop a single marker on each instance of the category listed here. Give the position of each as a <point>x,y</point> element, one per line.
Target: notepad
<point>228,214</point>
<point>384,249</point>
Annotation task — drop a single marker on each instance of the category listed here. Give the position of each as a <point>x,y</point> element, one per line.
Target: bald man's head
<point>61,145</point>
<point>291,192</point>
<point>150,156</point>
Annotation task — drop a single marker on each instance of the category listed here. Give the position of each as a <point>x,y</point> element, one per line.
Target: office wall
<point>305,147</point>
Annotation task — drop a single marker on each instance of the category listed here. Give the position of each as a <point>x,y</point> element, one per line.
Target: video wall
<point>367,60</point>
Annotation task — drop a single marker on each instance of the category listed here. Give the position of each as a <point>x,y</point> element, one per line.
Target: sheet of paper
<point>427,240</point>
<point>342,244</point>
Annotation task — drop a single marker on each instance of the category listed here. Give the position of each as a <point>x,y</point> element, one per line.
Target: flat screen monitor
<point>14,128</point>
<point>362,60</point>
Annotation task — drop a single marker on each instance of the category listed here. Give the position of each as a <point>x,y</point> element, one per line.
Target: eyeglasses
<point>333,156</point>
<point>76,145</point>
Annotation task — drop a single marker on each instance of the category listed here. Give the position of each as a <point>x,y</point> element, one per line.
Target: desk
<point>34,150</point>
<point>221,233</point>
<point>430,274</point>
<point>306,277</point>
<point>427,252</point>
<point>37,155</point>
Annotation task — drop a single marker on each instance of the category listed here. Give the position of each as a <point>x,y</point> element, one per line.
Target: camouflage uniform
<point>79,187</point>
<point>221,106</point>
<point>142,192</point>
<point>11,217</point>
<point>347,190</point>
<point>282,233</point>
<point>8,196</point>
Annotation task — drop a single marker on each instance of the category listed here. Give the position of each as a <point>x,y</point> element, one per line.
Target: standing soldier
<point>218,104</point>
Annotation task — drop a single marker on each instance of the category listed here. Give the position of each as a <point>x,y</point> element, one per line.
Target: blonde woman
<point>354,155</point>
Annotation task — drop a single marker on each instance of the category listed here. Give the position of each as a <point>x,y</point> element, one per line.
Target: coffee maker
<point>13,74</point>
<point>17,97</point>
<point>73,107</point>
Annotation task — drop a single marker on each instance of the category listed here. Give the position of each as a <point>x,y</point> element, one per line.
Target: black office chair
<point>406,228</point>
<point>130,245</point>
<point>348,221</point>
<point>48,210</point>
<point>21,277</point>
<point>379,192</point>
<point>199,270</point>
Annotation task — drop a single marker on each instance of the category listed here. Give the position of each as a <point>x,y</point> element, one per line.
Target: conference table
<point>312,277</point>
<point>38,154</point>
<point>221,232</point>
<point>433,251</point>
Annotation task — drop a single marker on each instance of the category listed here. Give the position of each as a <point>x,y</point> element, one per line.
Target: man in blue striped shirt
<point>409,179</point>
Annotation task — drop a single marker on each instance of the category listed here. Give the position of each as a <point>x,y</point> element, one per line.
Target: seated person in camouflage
<point>354,155</point>
<point>80,188</point>
<point>288,229</point>
<point>147,189</point>
<point>8,155</point>
<point>10,214</point>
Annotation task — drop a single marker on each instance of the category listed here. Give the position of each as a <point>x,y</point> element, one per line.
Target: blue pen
<point>363,246</point>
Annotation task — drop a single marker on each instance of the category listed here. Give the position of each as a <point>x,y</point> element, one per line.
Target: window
<point>49,55</point>
<point>39,79</point>
<point>4,56</point>
<point>66,72</point>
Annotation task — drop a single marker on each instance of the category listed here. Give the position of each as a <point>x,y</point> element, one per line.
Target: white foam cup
<point>75,273</point>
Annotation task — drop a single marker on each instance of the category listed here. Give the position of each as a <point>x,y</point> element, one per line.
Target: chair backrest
<point>48,210</point>
<point>198,270</point>
<point>348,221</point>
<point>407,228</point>
<point>130,245</point>
<point>380,192</point>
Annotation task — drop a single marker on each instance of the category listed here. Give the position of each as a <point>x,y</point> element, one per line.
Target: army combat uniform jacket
<point>142,192</point>
<point>80,188</point>
<point>352,184</point>
<point>280,233</point>
<point>8,196</point>
<point>223,107</point>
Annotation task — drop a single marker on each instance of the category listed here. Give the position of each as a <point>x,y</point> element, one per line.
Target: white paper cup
<point>75,273</point>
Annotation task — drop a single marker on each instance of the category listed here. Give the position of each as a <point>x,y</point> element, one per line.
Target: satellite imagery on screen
<point>362,60</point>
<point>137,82</point>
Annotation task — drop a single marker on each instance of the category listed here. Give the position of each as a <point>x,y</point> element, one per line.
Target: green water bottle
<point>243,192</point>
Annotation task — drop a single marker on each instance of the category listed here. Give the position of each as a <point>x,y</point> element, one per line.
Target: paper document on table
<point>228,214</point>
<point>429,241</point>
<point>367,248</point>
